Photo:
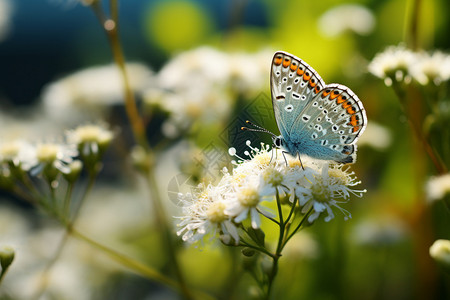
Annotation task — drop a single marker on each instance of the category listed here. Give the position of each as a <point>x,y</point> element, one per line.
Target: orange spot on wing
<point>346,104</point>
<point>306,78</point>
<point>312,84</point>
<point>286,62</point>
<point>334,95</point>
<point>293,66</point>
<point>351,110</point>
<point>325,93</point>
<point>300,71</point>
<point>355,128</point>
<point>316,89</point>
<point>277,60</point>
<point>353,121</point>
<point>340,100</point>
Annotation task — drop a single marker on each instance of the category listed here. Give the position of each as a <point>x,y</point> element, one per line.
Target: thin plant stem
<point>67,199</point>
<point>69,223</point>
<point>130,263</point>
<point>111,27</point>
<point>276,256</point>
<point>413,33</point>
<point>136,266</point>
<point>441,168</point>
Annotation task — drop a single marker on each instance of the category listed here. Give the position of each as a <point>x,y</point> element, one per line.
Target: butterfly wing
<point>293,84</point>
<point>330,124</point>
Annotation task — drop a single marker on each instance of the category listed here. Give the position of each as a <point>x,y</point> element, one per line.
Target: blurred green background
<point>381,253</point>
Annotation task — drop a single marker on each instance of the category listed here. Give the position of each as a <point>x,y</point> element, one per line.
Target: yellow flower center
<point>262,159</point>
<point>248,197</point>
<point>338,174</point>
<point>9,151</point>
<point>92,133</point>
<point>216,212</point>
<point>47,152</point>
<point>320,193</point>
<point>272,176</point>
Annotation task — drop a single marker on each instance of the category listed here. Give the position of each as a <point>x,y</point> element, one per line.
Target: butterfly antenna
<point>259,128</point>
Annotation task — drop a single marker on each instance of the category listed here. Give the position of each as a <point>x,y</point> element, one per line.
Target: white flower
<point>195,69</point>
<point>440,251</point>
<point>51,154</point>
<point>325,187</point>
<point>18,152</point>
<point>393,64</point>
<point>87,92</point>
<point>90,138</point>
<point>438,187</point>
<point>352,17</point>
<point>204,213</point>
<point>240,195</point>
<point>434,67</point>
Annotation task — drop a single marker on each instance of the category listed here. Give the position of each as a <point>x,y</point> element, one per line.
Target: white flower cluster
<point>21,155</point>
<point>201,85</point>
<point>401,64</point>
<point>240,195</point>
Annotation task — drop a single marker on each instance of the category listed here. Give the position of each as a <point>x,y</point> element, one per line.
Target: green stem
<point>111,27</point>
<point>416,128</point>
<point>413,37</point>
<point>67,200</point>
<point>69,223</point>
<point>277,255</point>
<point>130,263</point>
<point>138,127</point>
<point>248,245</point>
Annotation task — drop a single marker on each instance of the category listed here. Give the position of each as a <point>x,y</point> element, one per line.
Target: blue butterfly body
<point>319,120</point>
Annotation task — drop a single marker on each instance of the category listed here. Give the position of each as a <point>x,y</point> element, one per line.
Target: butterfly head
<point>278,141</point>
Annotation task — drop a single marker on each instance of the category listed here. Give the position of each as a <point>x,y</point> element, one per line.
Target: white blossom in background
<point>55,154</point>
<point>431,67</point>
<point>89,91</point>
<point>194,69</point>
<point>19,152</point>
<point>6,12</point>
<point>202,85</point>
<point>241,194</point>
<point>376,136</point>
<point>437,187</point>
<point>401,64</point>
<point>347,17</point>
<point>440,251</point>
<point>393,64</point>
<point>90,138</point>
<point>383,231</point>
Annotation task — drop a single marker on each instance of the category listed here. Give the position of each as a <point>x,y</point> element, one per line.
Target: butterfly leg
<point>284,156</point>
<point>300,161</point>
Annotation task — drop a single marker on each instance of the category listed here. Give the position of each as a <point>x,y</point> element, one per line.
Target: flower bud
<point>74,171</point>
<point>142,160</point>
<point>440,252</point>
<point>6,257</point>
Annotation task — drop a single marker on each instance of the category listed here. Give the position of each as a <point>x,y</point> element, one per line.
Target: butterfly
<point>319,120</point>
